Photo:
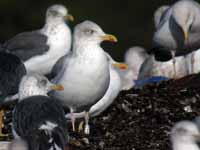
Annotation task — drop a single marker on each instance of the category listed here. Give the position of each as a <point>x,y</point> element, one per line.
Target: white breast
<point>85,80</point>
<point>59,42</point>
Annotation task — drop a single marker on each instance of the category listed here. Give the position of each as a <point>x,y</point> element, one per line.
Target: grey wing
<point>160,14</point>
<point>27,44</point>
<point>146,68</point>
<point>59,65</point>
<point>164,18</point>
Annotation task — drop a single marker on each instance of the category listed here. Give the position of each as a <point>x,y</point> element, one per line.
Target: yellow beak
<point>197,136</point>
<point>69,17</point>
<point>57,87</point>
<point>109,37</point>
<point>121,66</point>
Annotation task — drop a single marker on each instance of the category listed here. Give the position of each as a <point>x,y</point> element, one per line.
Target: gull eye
<point>43,82</point>
<point>89,31</point>
<point>53,13</point>
<point>181,130</point>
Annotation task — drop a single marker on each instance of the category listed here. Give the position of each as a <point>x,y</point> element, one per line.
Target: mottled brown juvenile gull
<point>185,135</point>
<point>178,31</point>
<point>152,67</point>
<point>85,72</point>
<point>40,49</point>
<point>111,93</point>
<point>134,57</point>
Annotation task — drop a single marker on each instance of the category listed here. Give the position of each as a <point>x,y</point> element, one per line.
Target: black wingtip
<point>43,140</point>
<point>161,54</point>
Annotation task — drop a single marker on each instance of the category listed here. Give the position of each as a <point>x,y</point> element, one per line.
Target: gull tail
<point>47,139</point>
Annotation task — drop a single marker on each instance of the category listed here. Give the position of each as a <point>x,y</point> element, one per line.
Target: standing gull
<point>85,72</point>
<point>111,93</point>
<point>40,49</point>
<point>134,57</point>
<point>38,119</point>
<point>178,31</point>
<point>185,135</point>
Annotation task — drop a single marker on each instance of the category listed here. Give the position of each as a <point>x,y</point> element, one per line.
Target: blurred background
<point>130,20</point>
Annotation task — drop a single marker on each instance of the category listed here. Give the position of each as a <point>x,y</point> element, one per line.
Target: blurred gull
<point>40,49</point>
<point>111,93</point>
<point>134,57</point>
<point>18,144</point>
<point>185,135</point>
<point>195,56</point>
<point>85,72</point>
<point>178,30</point>
<point>152,67</point>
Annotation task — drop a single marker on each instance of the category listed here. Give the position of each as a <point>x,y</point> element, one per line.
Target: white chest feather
<point>86,78</point>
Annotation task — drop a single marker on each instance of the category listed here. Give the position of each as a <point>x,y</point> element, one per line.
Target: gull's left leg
<point>87,127</point>
<point>174,62</point>
<point>192,62</point>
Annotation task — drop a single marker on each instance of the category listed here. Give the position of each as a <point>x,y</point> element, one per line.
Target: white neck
<point>54,21</point>
<point>82,47</point>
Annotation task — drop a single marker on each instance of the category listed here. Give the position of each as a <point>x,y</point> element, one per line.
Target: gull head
<point>58,12</point>
<point>135,56</point>
<point>90,32</point>
<point>183,15</point>
<point>34,84</point>
<point>184,133</point>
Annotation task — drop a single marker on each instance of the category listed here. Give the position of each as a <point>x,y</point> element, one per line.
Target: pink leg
<point>73,119</point>
<point>174,62</point>
<point>87,127</point>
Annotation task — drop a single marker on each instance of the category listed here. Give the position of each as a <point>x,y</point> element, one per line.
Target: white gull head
<point>35,84</point>
<point>185,135</point>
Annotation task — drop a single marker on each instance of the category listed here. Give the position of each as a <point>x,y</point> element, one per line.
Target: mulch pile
<point>141,119</point>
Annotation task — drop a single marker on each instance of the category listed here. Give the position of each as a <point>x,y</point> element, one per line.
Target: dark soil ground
<point>141,119</point>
